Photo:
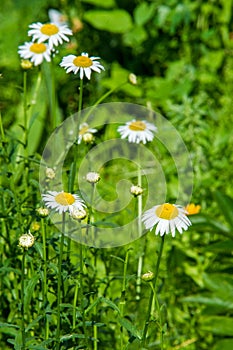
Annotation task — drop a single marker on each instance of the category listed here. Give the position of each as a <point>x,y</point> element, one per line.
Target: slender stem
<point>25,106</point>
<point>59,284</point>
<point>2,129</point>
<point>102,98</point>
<point>140,259</point>
<point>148,314</point>
<point>123,291</point>
<point>82,294</point>
<point>45,288</point>
<point>74,304</point>
<point>155,298</point>
<point>22,302</point>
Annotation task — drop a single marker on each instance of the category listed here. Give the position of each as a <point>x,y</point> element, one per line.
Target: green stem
<point>123,292</point>
<point>45,288</point>
<point>25,106</point>
<point>22,302</point>
<point>74,304</point>
<point>102,98</point>
<point>59,284</point>
<point>82,294</point>
<point>140,260</point>
<point>1,128</point>
<point>148,314</point>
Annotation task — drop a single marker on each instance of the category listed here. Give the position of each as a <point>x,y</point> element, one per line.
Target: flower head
<point>168,218</point>
<point>92,177</point>
<point>63,201</point>
<point>50,173</point>
<point>82,64</point>
<point>137,131</point>
<point>136,190</point>
<point>26,240</point>
<point>148,276</point>
<point>26,64</point>
<point>79,214</point>
<point>192,209</point>
<point>42,212</point>
<point>54,33</point>
<point>133,79</point>
<point>84,130</point>
<point>36,52</point>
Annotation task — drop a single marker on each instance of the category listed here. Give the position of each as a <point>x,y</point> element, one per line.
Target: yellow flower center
<point>38,48</point>
<point>82,61</point>
<point>137,126</point>
<point>167,211</point>
<point>49,29</point>
<point>64,198</point>
<point>83,130</point>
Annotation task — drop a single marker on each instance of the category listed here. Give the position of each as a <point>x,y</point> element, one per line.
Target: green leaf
<point>102,300</point>
<point>226,206</point>
<point>101,3</point>
<point>224,344</point>
<point>143,13</point>
<point>135,37</point>
<point>115,21</point>
<point>204,222</point>
<point>224,246</point>
<point>29,290</point>
<point>219,325</point>
<point>130,328</point>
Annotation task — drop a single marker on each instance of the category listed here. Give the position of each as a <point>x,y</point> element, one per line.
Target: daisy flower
<point>54,33</point>
<point>83,130</point>
<point>36,52</point>
<point>82,64</point>
<point>137,131</point>
<point>168,218</point>
<point>63,201</point>
<point>192,209</point>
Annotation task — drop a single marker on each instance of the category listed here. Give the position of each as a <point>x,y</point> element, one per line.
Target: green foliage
<point>182,54</point>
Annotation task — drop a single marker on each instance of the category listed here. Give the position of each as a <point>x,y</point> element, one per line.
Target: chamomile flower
<point>168,218</point>
<point>54,33</point>
<point>137,131</point>
<point>63,201</point>
<point>36,52</point>
<point>83,64</point>
<point>83,130</point>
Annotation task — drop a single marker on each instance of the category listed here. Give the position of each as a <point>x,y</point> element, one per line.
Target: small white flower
<point>63,201</point>
<point>82,64</point>
<point>57,17</point>
<point>78,214</point>
<point>133,79</point>
<point>27,240</point>
<point>83,130</point>
<point>136,190</point>
<point>36,52</point>
<point>54,33</point>
<point>92,177</point>
<point>50,173</point>
<point>168,218</point>
<point>137,131</point>
<point>42,212</point>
